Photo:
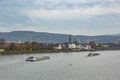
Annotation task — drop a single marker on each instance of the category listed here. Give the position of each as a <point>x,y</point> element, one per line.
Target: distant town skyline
<point>77,17</point>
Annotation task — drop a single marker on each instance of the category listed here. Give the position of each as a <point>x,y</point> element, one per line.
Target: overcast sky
<point>79,17</point>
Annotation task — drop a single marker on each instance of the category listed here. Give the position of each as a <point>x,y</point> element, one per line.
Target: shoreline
<point>56,52</point>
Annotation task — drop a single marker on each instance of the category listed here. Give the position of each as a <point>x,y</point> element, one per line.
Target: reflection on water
<point>62,66</point>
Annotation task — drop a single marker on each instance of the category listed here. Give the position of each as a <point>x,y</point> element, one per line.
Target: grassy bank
<point>52,51</point>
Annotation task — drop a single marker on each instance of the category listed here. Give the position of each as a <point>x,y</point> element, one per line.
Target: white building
<point>58,46</point>
<point>71,46</point>
<point>88,47</point>
<point>2,50</point>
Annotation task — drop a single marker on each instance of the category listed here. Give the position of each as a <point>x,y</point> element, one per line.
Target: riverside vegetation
<point>36,47</point>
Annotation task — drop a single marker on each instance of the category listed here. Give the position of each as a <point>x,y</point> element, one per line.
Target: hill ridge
<point>46,37</point>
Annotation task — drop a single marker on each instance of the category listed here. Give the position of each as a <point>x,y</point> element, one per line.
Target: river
<point>62,66</point>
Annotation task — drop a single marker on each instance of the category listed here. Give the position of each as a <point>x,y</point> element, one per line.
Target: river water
<point>62,66</point>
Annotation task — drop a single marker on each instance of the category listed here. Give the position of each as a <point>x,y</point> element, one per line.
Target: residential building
<point>58,46</point>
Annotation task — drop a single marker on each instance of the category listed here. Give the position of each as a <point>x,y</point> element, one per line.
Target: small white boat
<point>37,58</point>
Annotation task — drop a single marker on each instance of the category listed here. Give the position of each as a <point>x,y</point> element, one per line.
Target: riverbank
<point>50,51</point>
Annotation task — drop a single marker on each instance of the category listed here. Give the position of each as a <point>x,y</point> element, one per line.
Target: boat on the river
<point>93,54</point>
<point>31,59</point>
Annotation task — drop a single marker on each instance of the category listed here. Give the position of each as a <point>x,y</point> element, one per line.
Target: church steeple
<point>70,39</point>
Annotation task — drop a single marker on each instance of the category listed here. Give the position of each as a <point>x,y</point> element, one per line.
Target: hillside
<point>44,37</point>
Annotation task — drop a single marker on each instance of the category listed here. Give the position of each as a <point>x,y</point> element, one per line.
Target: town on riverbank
<point>70,46</point>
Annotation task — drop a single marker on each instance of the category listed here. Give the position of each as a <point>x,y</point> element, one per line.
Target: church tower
<point>70,39</point>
